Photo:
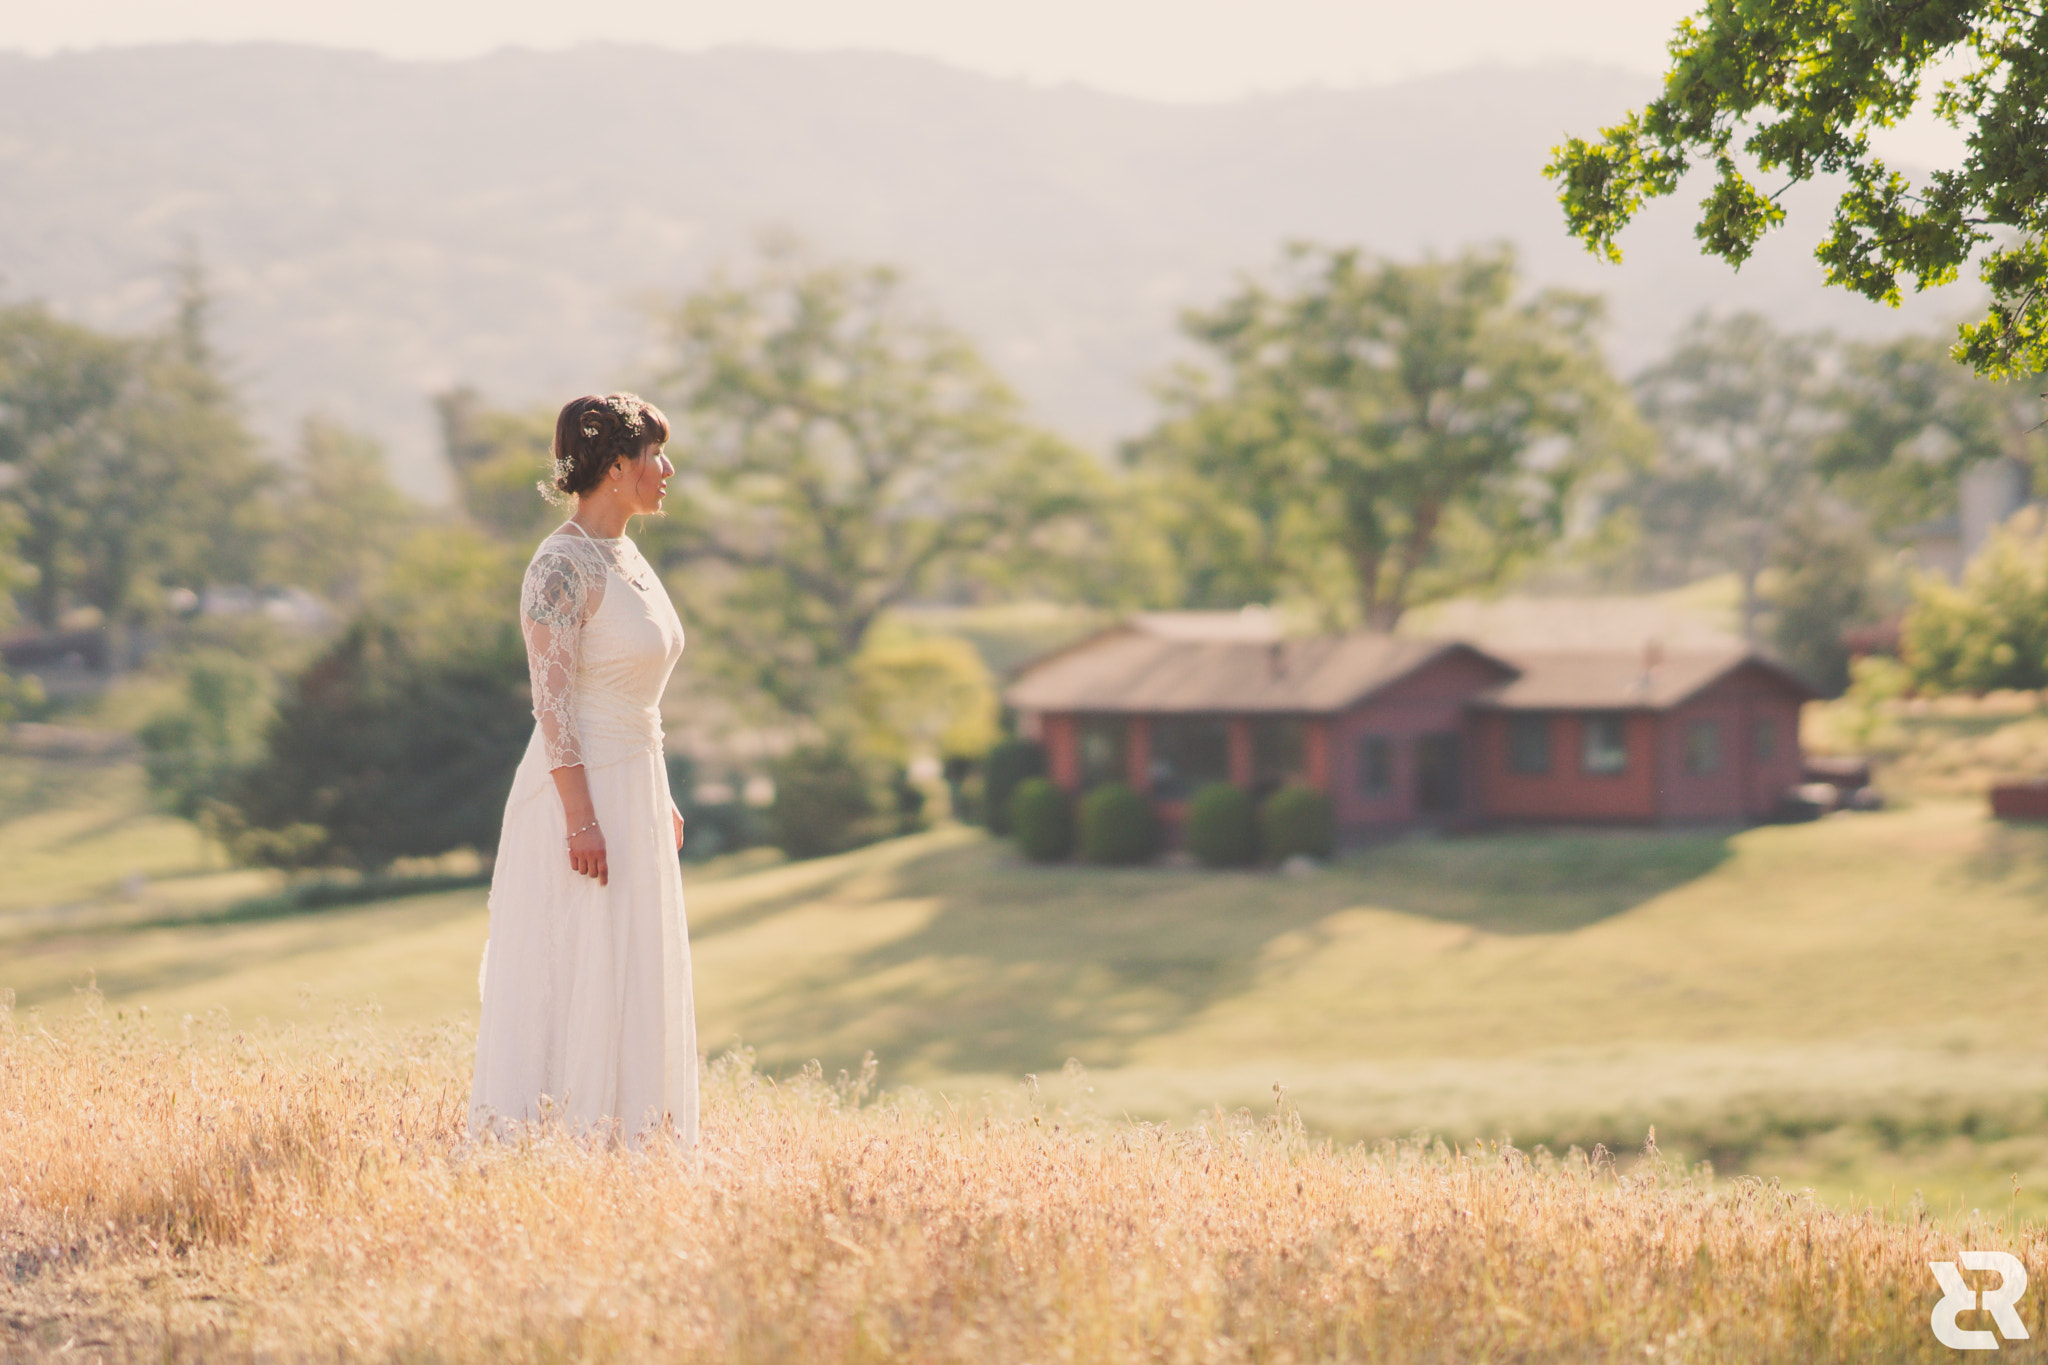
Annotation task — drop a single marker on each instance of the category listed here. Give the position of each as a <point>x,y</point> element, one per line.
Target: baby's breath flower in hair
<point>593,433</point>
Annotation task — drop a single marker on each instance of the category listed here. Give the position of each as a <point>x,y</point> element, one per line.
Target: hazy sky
<point>1166,49</point>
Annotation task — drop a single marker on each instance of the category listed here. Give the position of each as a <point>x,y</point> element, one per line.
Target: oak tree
<point>1405,429</point>
<point>841,451</point>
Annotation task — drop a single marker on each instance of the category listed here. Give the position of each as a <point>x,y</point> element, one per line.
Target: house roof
<point>1137,667</point>
<point>1208,662</point>
<point>1627,679</point>
<point>1249,623</point>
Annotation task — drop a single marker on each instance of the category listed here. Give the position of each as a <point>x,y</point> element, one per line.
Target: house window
<point>1439,774</point>
<point>1766,734</point>
<point>1603,746</point>
<point>1188,754</point>
<point>1703,747</point>
<point>1100,746</point>
<point>1375,766</point>
<point>1529,745</point>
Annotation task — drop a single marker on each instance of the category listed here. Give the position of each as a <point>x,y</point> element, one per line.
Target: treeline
<point>1351,437</point>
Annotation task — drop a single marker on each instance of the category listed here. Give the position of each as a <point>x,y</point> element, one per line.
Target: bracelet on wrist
<point>574,832</point>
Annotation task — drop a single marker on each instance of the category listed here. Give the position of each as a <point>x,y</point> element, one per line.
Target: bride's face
<point>643,480</point>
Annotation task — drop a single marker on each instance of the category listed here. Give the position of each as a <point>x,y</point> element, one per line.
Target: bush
<point>1116,826</point>
<point>1042,820</point>
<point>826,801</point>
<point>1991,631</point>
<point>379,752</point>
<point>1295,820</point>
<point>1222,828</point>
<point>196,750</point>
<point>1009,763</point>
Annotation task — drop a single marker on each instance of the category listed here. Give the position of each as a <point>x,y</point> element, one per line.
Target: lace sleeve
<point>556,600</point>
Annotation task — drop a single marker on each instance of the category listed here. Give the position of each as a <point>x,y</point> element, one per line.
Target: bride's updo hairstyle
<point>593,434</point>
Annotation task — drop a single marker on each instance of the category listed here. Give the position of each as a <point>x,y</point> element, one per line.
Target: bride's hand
<point>677,816</point>
<point>587,855</point>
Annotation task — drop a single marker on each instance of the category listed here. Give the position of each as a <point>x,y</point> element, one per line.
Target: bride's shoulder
<point>560,556</point>
<point>564,545</point>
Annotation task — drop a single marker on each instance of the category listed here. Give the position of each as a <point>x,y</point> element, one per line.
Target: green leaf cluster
<point>195,749</point>
<point>1991,630</point>
<point>127,466</point>
<point>1795,89</point>
<point>500,460</point>
<point>384,749</point>
<point>922,696</point>
<point>342,520</point>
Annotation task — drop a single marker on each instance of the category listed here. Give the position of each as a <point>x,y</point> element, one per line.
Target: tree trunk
<point>1752,603</point>
<point>1387,614</point>
<point>1370,607</point>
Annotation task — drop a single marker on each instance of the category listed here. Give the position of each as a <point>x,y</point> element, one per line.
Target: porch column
<point>1062,756</point>
<point>1243,766</point>
<point>1315,743</point>
<point>1138,752</point>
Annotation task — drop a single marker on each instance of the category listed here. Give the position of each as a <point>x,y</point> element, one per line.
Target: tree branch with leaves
<point>1797,89</point>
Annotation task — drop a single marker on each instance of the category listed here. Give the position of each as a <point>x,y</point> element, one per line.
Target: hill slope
<point>384,229</point>
<point>1782,999</point>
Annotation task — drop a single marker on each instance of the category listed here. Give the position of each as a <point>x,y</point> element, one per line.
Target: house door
<point>1439,774</point>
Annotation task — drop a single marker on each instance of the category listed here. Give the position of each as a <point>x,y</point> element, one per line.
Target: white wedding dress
<point>587,1011</point>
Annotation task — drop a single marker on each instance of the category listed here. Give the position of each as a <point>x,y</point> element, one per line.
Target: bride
<point>587,1011</point>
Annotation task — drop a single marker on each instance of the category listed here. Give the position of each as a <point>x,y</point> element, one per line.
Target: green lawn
<point>1852,1004</point>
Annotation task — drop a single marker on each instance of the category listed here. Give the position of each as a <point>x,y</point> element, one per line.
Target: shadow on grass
<point>1535,882</point>
<point>213,944</point>
<point>1019,967</point>
<point>312,897</point>
<point>2011,851</point>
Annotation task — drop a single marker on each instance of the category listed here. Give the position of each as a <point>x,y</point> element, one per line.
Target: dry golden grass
<point>224,1197</point>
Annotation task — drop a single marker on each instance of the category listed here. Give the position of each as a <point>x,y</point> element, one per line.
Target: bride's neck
<point>603,518</point>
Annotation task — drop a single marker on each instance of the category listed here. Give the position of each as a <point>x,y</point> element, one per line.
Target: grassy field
<point>1852,1005</point>
<point>234,1198</point>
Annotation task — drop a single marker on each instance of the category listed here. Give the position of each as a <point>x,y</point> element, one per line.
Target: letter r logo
<point>1958,1297</point>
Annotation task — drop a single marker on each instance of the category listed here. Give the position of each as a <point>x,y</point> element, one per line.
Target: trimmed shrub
<point>1222,829</point>
<point>1295,820</point>
<point>1116,826</point>
<point>1009,763</point>
<point>1042,820</point>
<point>826,801</point>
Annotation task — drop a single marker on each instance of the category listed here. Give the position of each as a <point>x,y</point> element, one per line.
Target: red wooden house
<point>1404,733</point>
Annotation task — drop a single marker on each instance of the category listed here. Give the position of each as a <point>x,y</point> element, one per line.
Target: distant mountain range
<point>380,230</point>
